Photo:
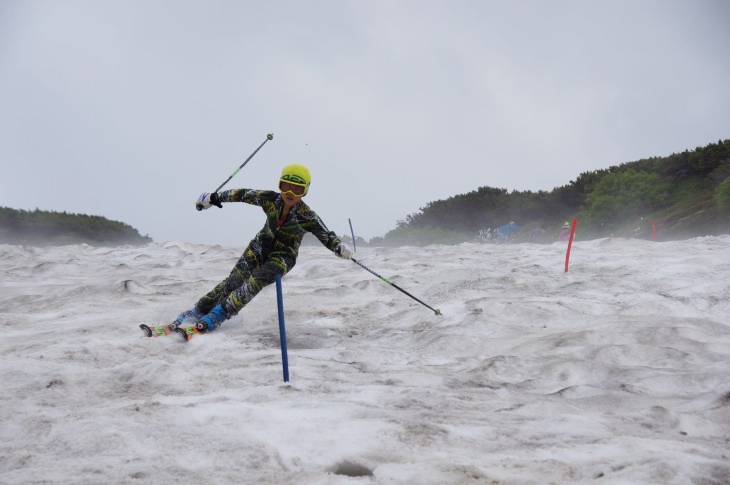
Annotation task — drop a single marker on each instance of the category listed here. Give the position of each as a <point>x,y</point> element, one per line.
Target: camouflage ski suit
<point>273,251</point>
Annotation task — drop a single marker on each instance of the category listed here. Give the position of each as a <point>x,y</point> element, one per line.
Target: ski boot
<point>193,314</point>
<point>212,320</point>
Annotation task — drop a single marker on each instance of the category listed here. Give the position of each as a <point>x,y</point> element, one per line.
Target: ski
<point>187,332</point>
<point>162,330</point>
<point>156,330</point>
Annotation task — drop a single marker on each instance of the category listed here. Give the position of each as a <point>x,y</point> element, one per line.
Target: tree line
<point>52,228</point>
<point>686,194</point>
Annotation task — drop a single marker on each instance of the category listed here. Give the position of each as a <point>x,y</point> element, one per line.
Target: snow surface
<point>616,372</point>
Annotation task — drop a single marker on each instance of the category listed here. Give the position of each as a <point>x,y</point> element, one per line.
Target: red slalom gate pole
<point>653,231</point>
<point>570,243</point>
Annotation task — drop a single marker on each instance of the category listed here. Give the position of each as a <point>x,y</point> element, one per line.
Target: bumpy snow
<point>616,372</point>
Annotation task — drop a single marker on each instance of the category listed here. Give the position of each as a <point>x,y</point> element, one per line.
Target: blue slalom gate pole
<point>282,328</point>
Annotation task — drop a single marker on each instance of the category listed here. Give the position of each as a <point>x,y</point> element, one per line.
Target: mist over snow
<point>616,372</point>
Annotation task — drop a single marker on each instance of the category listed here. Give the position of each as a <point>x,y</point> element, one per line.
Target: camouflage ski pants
<point>250,275</point>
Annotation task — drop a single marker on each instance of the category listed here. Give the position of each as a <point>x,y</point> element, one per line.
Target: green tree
<point>44,227</point>
<point>625,194</point>
<point>421,236</point>
<point>722,195</point>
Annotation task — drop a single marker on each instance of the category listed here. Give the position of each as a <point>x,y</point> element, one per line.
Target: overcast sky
<point>130,109</point>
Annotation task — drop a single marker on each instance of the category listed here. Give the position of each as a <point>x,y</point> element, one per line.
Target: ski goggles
<point>293,189</point>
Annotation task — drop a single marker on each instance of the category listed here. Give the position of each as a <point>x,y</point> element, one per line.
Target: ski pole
<point>354,244</point>
<point>436,311</point>
<point>270,136</point>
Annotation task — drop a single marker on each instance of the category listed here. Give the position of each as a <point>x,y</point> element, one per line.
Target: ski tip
<point>146,329</point>
<point>183,333</point>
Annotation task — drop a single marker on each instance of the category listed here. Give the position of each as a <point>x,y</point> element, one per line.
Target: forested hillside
<point>54,228</point>
<point>683,195</point>
<point>686,194</point>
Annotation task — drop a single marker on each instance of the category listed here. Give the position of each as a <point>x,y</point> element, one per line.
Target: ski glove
<point>342,251</point>
<point>206,200</point>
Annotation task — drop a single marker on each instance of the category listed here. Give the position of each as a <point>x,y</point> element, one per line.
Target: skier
<point>564,234</point>
<point>273,251</point>
<point>538,234</point>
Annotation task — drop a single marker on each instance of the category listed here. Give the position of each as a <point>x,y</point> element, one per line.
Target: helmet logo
<point>294,179</point>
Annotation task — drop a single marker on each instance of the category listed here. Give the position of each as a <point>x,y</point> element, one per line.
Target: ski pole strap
<point>436,311</point>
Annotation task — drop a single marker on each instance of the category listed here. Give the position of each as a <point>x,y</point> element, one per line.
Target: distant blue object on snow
<point>503,232</point>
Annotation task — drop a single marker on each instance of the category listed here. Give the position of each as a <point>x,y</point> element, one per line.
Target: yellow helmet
<point>298,175</point>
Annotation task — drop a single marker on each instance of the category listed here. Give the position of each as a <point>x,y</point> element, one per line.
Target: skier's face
<point>289,198</point>
<point>293,189</point>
